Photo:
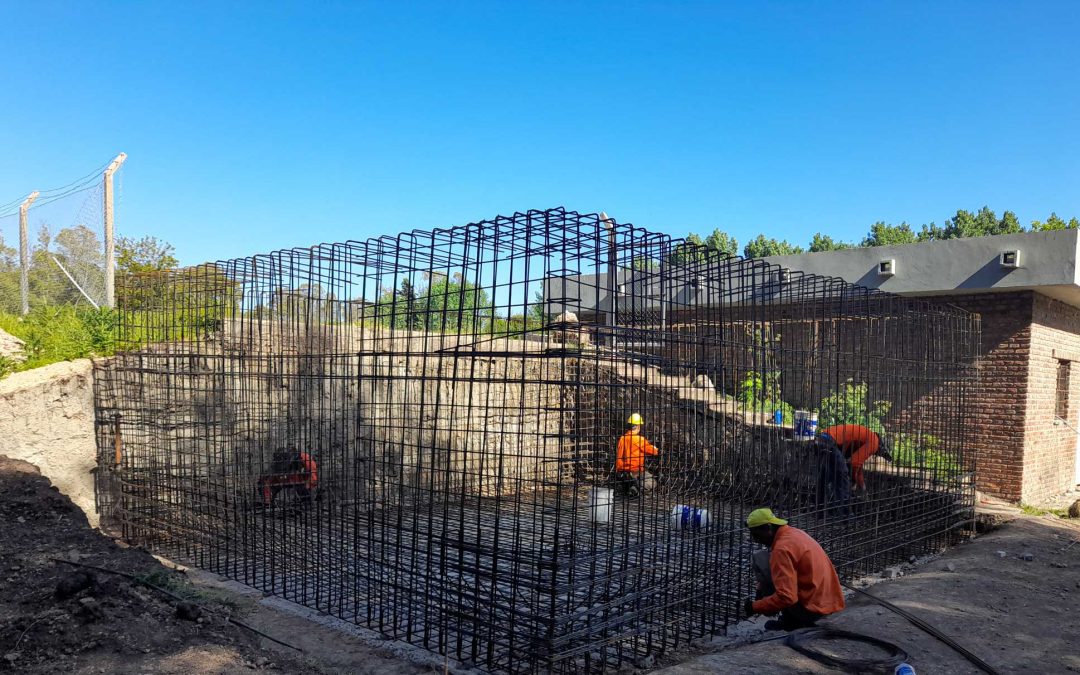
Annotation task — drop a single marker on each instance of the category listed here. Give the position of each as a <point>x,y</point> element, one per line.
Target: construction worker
<point>858,444</point>
<point>834,476</point>
<point>293,469</point>
<point>631,478</point>
<point>794,575</point>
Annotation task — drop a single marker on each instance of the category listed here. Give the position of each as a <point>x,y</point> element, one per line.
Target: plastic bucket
<point>600,503</point>
<point>805,425</point>
<point>685,517</point>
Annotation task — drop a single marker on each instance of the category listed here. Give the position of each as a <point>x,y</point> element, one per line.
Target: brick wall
<point>1050,445</point>
<point>998,405</point>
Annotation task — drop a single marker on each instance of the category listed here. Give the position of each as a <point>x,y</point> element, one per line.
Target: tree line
<point>80,252</point>
<point>984,222</point>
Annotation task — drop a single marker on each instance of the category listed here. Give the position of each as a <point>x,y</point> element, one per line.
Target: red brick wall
<point>997,407</point>
<point>1050,447</point>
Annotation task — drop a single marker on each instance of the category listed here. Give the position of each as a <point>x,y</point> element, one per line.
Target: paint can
<point>601,500</point>
<point>685,517</point>
<point>805,425</point>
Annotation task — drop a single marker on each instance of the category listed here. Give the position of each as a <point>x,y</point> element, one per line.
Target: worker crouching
<point>631,477</point>
<point>795,577</point>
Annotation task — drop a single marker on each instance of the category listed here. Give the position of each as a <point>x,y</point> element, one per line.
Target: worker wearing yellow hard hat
<point>631,476</point>
<point>794,575</point>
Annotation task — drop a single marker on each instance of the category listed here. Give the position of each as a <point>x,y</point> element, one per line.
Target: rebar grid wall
<point>462,392</point>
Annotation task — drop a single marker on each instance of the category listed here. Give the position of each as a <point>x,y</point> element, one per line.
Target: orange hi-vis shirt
<point>857,442</point>
<point>311,469</point>
<point>801,573</point>
<point>630,455</point>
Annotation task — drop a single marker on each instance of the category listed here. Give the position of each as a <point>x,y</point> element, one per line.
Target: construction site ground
<point>1009,595</point>
<point>1017,614</point>
<point>117,625</point>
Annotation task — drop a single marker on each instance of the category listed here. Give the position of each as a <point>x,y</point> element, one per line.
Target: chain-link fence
<point>54,293</point>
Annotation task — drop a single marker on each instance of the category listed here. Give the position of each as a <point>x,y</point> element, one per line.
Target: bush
<point>7,366</point>
<point>923,453</point>
<point>850,404</point>
<point>62,333</point>
<point>761,391</point>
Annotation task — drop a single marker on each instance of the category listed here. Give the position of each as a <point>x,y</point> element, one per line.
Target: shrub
<point>62,333</point>
<point>851,404</point>
<point>923,452</point>
<point>761,391</point>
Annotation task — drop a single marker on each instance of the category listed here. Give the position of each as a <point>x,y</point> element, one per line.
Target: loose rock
<point>73,583</point>
<point>188,611</point>
<point>703,382</point>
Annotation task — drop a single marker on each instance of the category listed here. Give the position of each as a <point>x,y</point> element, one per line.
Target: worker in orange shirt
<point>631,477</point>
<point>795,576</point>
<point>290,469</point>
<point>858,443</point>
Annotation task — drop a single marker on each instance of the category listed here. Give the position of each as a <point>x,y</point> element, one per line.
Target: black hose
<point>919,623</point>
<point>798,641</point>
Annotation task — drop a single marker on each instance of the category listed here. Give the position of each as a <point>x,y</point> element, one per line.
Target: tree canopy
<point>962,224</point>
<point>762,246</point>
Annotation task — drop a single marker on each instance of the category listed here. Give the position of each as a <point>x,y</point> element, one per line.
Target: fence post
<point>24,252</point>
<point>110,244</point>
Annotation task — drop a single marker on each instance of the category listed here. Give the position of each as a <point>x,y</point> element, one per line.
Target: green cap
<point>759,517</point>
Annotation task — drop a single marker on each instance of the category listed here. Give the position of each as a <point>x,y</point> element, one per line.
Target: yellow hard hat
<point>635,419</point>
<point>759,517</point>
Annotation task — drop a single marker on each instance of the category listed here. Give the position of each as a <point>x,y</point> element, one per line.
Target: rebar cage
<point>418,433</point>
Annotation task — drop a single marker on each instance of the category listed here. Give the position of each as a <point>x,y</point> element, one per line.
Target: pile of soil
<point>56,617</point>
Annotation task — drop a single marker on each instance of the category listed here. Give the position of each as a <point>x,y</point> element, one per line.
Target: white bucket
<point>685,517</point>
<point>805,425</point>
<point>600,502</point>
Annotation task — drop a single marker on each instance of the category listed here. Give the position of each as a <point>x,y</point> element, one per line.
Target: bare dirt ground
<point>1018,615</point>
<point>104,623</point>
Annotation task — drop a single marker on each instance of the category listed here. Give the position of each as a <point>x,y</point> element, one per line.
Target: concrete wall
<point>388,427</point>
<point>47,419</point>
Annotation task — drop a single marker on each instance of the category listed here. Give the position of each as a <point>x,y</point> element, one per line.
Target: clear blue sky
<point>255,126</point>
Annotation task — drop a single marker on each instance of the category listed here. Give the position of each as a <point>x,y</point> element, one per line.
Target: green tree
<point>142,265</point>
<point>967,224</point>
<point>537,313</point>
<point>694,249</point>
<point>688,251</point>
<point>1054,222</point>
<point>761,247</point>
<point>9,278</point>
<point>723,242</point>
<point>148,254</point>
<point>454,304</point>
<point>883,234</point>
<point>823,242</point>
